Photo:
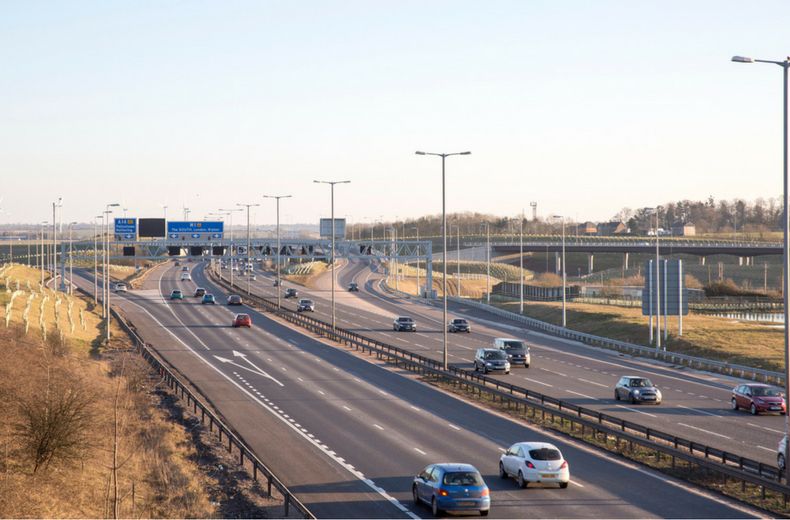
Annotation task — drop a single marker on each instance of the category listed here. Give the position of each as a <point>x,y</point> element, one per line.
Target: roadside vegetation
<point>87,432</point>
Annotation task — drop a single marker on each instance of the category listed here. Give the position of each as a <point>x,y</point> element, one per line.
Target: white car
<point>531,462</point>
<point>780,455</point>
<point>186,277</point>
<point>120,287</point>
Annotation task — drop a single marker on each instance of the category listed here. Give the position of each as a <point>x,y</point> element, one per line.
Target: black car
<point>491,359</point>
<point>404,323</point>
<point>458,325</point>
<point>276,283</point>
<point>200,292</point>
<point>291,293</point>
<point>234,299</point>
<point>353,287</point>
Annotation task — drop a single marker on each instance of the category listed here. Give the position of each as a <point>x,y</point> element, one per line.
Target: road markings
<point>418,450</point>
<point>635,410</point>
<point>700,411</point>
<point>300,379</point>
<point>764,427</point>
<point>454,427</point>
<point>553,372</point>
<point>704,430</point>
<point>539,382</point>
<point>593,383</point>
<point>321,392</point>
<point>766,449</point>
<point>415,408</point>
<point>346,408</point>
<point>576,484</point>
<point>377,426</point>
<point>583,395</point>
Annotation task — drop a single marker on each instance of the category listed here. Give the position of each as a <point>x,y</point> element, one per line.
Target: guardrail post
<point>269,487</point>
<point>287,504</point>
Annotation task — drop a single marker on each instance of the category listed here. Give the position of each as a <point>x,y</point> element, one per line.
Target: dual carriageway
<point>346,435</point>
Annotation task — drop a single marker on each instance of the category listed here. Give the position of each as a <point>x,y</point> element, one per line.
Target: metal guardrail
<point>214,423</point>
<point>719,461</point>
<point>732,369</point>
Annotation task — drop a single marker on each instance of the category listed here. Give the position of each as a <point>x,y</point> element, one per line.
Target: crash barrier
<point>234,442</point>
<point>727,465</point>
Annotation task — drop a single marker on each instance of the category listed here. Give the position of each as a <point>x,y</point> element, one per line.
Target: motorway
<point>347,435</point>
<point>696,404</point>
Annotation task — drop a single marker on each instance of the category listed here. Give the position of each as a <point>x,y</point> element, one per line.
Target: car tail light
<point>484,493</point>
<point>564,464</point>
<point>530,465</point>
<point>444,492</point>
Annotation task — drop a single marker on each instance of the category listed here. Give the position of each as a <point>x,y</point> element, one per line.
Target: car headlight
<point>488,363</point>
<point>636,392</point>
<point>658,393</point>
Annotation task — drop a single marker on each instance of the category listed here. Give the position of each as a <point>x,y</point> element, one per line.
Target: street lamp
<point>521,262</point>
<point>332,190</point>
<point>785,64</point>
<point>230,214</point>
<point>488,263</point>
<point>444,156</point>
<point>246,266</point>
<point>42,261</point>
<point>164,209</point>
<point>96,259</point>
<point>277,198</point>
<point>564,318</point>
<point>107,268</point>
<point>54,257</point>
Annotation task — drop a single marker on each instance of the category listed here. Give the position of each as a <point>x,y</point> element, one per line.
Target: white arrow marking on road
<point>256,370</point>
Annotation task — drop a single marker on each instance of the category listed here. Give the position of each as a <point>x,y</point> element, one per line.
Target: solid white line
<point>764,427</point>
<point>704,430</point>
<point>766,449</point>
<point>583,395</point>
<point>454,427</point>
<point>635,410</point>
<point>418,450</point>
<point>539,382</point>
<point>700,411</point>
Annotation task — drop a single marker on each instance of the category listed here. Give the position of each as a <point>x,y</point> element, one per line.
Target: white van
<point>517,350</point>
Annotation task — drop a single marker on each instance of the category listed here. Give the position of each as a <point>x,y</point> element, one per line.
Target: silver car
<point>637,390</point>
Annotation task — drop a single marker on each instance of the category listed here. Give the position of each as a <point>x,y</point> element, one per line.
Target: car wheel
<point>521,482</point>
<point>780,462</point>
<point>485,369</point>
<point>753,409</point>
<point>502,472</point>
<point>616,395</point>
<point>507,373</point>
<point>484,512</point>
<point>526,365</point>
<point>415,496</point>
<point>435,507</point>
<point>633,400</point>
<point>734,404</point>
<point>563,485</point>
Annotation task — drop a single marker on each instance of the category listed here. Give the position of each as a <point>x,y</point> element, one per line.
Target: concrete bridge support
<point>590,263</point>
<point>557,263</point>
<point>625,261</point>
<point>702,260</point>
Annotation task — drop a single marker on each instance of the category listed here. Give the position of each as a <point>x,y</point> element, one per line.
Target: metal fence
<point>234,442</point>
<point>725,464</point>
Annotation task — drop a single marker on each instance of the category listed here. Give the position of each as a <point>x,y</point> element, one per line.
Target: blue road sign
<point>199,226</point>
<point>126,228</point>
<point>173,235</point>
<point>195,235</point>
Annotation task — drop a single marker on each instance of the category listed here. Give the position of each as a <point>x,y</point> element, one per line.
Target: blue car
<point>451,487</point>
<point>208,298</point>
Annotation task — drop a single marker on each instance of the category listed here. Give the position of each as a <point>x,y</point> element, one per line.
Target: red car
<point>758,398</point>
<point>242,320</point>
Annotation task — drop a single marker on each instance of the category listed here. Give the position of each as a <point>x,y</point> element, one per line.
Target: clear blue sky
<point>584,107</point>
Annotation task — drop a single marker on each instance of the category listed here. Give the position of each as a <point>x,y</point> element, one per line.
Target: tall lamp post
<point>71,259</point>
<point>444,156</point>
<point>54,258</point>
<point>246,265</point>
<point>488,263</point>
<point>96,259</point>
<point>564,316</point>
<point>230,214</point>
<point>657,285</point>
<point>521,262</point>
<point>42,260</point>
<point>332,191</point>
<point>785,64</point>
<point>107,268</point>
<point>277,198</point>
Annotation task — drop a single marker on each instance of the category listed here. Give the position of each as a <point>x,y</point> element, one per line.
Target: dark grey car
<point>637,390</point>
<point>490,359</point>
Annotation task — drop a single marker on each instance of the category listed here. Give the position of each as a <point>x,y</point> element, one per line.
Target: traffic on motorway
<point>386,429</point>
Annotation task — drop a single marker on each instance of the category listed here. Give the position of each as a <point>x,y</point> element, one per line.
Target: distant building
<point>589,228</point>
<point>683,229</point>
<point>612,228</point>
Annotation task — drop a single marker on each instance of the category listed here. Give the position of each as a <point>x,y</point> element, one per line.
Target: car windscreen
<point>459,322</point>
<point>545,454</point>
<point>463,478</point>
<point>405,320</point>
<point>641,383</point>
<point>514,345</point>
<point>496,354</point>
<point>763,391</point>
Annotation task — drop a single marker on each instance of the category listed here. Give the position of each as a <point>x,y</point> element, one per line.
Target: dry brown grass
<point>753,344</point>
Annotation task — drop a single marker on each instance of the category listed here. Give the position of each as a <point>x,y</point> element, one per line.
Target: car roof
<point>242,314</point>
<point>455,466</point>
<point>489,349</point>
<point>404,317</point>
<point>753,385</point>
<point>510,339</point>
<point>532,445</point>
